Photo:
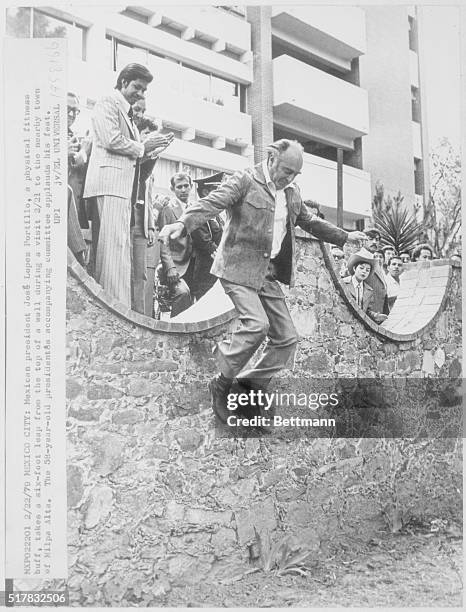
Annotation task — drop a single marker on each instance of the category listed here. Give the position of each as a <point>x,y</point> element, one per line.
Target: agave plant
<point>287,556</point>
<point>398,227</point>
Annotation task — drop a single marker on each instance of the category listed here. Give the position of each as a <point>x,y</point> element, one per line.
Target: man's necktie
<point>359,292</point>
<point>130,114</point>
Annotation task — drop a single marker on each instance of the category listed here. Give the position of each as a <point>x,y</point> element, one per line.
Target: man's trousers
<point>74,235</point>
<point>138,261</point>
<point>113,257</point>
<point>152,261</point>
<point>262,314</point>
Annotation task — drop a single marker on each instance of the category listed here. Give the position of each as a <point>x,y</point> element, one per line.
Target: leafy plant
<point>441,213</point>
<point>397,226</point>
<point>285,556</point>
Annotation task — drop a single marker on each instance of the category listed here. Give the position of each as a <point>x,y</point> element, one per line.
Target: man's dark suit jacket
<point>377,283</point>
<point>367,298</point>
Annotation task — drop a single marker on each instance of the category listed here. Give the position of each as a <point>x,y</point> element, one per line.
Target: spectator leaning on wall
<point>361,266</point>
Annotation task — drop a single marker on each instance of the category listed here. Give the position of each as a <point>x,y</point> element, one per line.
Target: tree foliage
<point>441,214</point>
<point>19,21</point>
<point>397,226</point>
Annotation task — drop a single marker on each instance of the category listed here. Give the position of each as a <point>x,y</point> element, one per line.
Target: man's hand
<point>159,201</point>
<point>356,236</point>
<point>171,232</point>
<point>157,141</point>
<point>150,236</point>
<point>172,277</point>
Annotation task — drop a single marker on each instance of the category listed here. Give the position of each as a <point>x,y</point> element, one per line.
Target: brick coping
<point>396,315</point>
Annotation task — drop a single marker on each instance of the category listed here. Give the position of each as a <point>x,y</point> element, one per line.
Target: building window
<point>359,224</point>
<point>225,93</point>
<point>208,87</point>
<point>412,34</point>
<point>415,104</point>
<point>127,54</point>
<point>320,150</point>
<point>418,177</point>
<point>24,22</point>
<point>195,83</point>
<point>177,77</point>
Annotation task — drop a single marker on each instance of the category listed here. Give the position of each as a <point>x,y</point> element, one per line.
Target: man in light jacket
<point>114,161</point>
<point>257,250</point>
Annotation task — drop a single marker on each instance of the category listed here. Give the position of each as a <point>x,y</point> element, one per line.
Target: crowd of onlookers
<point>115,214</point>
<point>372,275</point>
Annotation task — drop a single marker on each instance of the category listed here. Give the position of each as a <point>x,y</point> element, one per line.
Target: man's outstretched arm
<point>323,230</point>
<point>227,195</point>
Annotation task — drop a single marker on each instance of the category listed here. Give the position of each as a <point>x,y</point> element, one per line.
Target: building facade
<point>344,81</point>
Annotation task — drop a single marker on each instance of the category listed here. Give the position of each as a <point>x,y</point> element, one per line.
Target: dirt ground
<point>411,569</point>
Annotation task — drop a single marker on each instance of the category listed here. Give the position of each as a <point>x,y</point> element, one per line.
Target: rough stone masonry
<point>156,500</point>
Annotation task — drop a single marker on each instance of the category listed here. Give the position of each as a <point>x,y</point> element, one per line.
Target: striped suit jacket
<point>116,147</point>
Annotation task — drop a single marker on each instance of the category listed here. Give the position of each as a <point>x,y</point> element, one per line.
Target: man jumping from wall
<point>257,251</point>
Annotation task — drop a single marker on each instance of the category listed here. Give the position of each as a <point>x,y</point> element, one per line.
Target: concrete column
<point>260,92</point>
<point>339,187</point>
<point>422,42</point>
<point>95,41</point>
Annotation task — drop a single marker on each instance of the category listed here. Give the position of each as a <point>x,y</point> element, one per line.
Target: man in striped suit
<point>113,164</point>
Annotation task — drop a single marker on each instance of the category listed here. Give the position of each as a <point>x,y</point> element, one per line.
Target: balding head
<point>284,162</point>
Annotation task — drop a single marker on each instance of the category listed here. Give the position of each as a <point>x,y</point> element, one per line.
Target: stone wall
<point>159,500</point>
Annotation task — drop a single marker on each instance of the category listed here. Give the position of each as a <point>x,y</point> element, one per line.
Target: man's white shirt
<point>279,222</point>
<point>357,285</point>
<point>393,287</point>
